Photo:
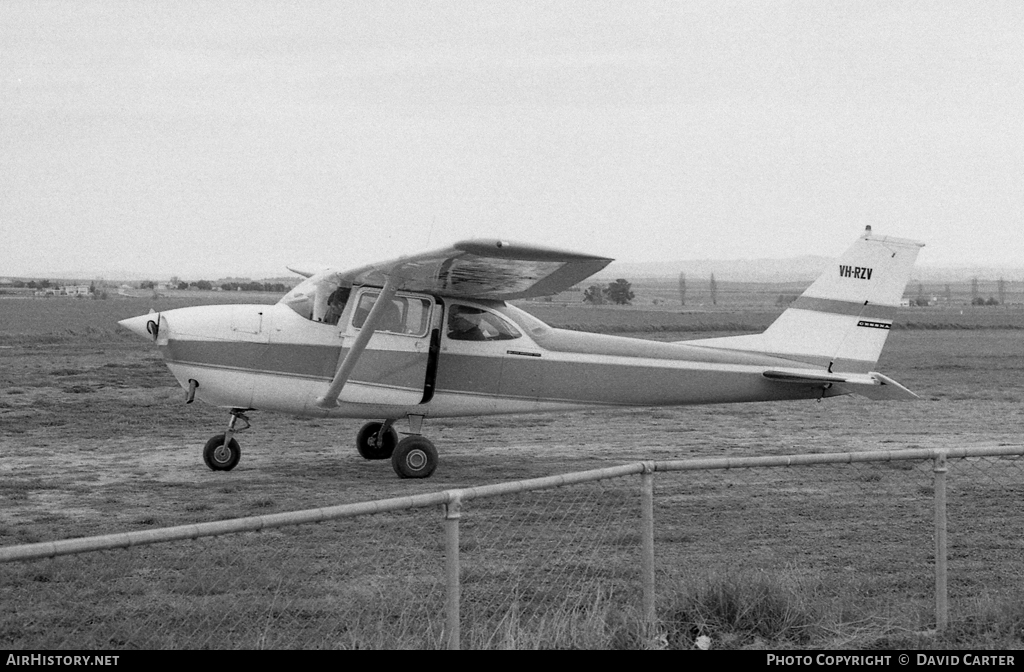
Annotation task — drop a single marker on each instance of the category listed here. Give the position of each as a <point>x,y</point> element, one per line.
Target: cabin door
<point>394,368</point>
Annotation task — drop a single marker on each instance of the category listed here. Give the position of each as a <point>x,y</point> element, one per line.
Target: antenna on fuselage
<point>430,234</point>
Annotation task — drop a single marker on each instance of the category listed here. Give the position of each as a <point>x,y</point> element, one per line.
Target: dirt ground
<point>96,438</point>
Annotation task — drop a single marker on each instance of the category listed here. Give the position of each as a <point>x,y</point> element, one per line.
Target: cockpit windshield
<point>320,298</point>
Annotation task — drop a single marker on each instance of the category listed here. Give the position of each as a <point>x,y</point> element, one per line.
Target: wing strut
<point>329,399</point>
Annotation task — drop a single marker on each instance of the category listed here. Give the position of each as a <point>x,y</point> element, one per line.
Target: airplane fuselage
<point>268,357</point>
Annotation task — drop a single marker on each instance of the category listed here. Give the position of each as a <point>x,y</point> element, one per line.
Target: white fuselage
<point>269,357</point>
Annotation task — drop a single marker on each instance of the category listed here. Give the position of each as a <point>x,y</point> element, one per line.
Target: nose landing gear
<point>222,452</point>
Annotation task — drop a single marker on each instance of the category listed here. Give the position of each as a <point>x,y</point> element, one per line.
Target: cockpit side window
<point>531,324</point>
<point>466,323</point>
<point>405,315</point>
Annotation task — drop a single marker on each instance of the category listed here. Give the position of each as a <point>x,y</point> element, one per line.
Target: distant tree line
<point>53,287</point>
<point>254,287</point>
<point>207,285</point>
<point>33,284</point>
<point>618,292</point>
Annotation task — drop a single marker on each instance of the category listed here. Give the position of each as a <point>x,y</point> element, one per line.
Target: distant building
<point>75,290</point>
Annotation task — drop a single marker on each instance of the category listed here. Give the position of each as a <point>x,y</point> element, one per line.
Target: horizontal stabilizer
<point>873,385</point>
<point>801,377</point>
<point>884,388</point>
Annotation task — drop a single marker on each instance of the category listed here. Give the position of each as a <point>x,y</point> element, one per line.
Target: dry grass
<point>96,440</point>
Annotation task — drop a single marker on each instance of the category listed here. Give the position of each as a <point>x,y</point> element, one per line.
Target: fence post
<point>647,544</point>
<point>452,512</point>
<point>941,596</point>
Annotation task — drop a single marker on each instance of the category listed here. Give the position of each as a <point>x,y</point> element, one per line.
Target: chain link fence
<point>333,584</point>
<point>772,548</point>
<point>551,567</point>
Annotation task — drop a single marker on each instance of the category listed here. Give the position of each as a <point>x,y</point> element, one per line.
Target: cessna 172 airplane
<point>432,335</point>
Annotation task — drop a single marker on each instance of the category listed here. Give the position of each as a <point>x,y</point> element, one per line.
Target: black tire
<point>372,449</point>
<point>220,457</point>
<point>414,457</point>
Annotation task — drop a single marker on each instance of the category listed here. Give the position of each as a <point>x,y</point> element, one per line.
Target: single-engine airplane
<point>432,335</point>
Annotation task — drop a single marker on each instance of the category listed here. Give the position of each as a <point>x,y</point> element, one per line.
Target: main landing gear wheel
<point>414,457</point>
<point>374,444</point>
<point>220,456</point>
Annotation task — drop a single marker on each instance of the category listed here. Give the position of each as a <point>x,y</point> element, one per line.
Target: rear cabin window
<point>406,314</point>
<point>475,324</point>
<point>531,324</point>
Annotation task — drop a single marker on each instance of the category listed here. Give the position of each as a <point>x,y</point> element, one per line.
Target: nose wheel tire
<point>414,457</point>
<point>221,457</point>
<point>374,446</point>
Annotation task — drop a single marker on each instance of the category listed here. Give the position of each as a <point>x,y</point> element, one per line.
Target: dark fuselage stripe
<point>868,311</point>
<point>588,381</point>
<point>390,368</point>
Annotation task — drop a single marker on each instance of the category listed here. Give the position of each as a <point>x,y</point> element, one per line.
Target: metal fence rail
<point>539,562</point>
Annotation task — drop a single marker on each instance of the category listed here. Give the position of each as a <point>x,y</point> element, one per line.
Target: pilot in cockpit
<point>336,304</point>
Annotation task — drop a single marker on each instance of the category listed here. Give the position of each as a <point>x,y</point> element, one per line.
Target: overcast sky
<point>209,139</point>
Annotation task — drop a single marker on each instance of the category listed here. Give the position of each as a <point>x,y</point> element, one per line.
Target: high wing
<point>477,269</point>
<point>482,269</point>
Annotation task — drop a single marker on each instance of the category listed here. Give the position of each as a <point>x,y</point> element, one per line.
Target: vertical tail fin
<point>842,320</point>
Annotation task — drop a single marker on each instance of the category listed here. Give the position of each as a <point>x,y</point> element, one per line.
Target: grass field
<point>96,439</point>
